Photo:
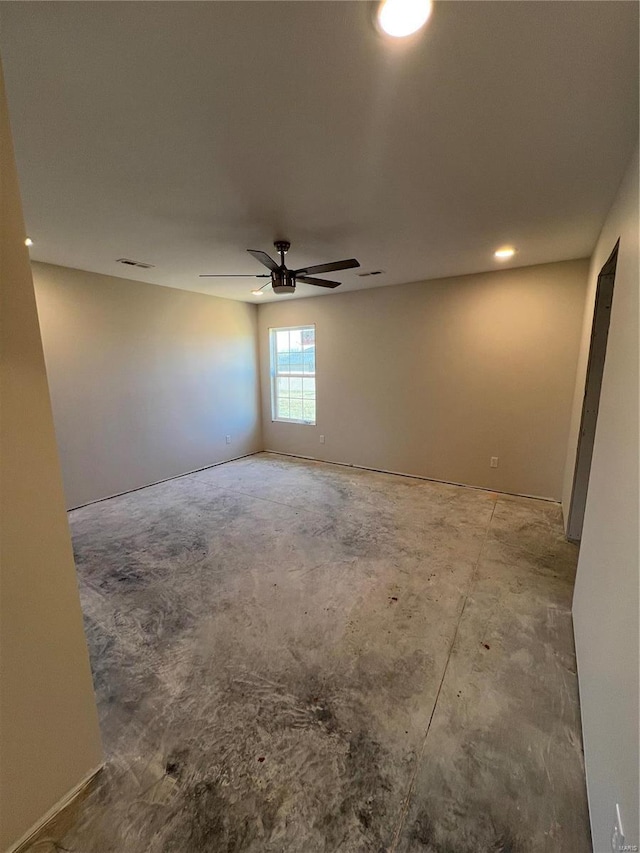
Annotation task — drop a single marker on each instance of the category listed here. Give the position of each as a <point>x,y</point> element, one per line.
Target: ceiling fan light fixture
<point>401,18</point>
<point>504,253</point>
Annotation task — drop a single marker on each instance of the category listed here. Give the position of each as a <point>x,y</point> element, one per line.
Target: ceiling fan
<point>284,280</point>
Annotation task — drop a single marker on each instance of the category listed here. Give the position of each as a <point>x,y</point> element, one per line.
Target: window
<point>293,374</point>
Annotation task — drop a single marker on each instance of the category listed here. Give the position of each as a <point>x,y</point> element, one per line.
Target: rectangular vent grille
<point>373,272</point>
<point>128,262</point>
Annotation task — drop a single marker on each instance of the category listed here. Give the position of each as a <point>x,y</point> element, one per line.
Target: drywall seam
<point>258,358</point>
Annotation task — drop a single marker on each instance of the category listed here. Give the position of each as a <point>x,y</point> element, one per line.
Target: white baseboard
<point>29,836</point>
<point>165,480</point>
<point>411,476</point>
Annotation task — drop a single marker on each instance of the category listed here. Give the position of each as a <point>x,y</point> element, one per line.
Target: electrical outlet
<point>494,462</point>
<point>321,439</point>
<point>227,438</point>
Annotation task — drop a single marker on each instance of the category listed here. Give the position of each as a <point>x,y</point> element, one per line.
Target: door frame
<point>591,398</point>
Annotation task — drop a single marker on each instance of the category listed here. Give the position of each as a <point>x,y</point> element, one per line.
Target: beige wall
<point>605,607</point>
<point>434,378</point>
<point>146,381</point>
<point>49,739</point>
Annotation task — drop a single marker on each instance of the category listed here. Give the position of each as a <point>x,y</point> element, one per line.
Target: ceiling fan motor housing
<point>283,281</point>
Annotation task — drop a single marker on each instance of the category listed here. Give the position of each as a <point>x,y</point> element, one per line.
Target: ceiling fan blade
<point>335,265</point>
<point>264,259</point>
<point>320,282</point>
<point>233,275</point>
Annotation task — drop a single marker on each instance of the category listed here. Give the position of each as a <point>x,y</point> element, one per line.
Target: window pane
<point>282,341</point>
<point>283,386</point>
<point>282,365</point>
<point>309,388</point>
<point>310,360</point>
<point>295,386</point>
<point>309,348</point>
<point>295,340</point>
<point>282,410</point>
<point>309,410</point>
<point>296,361</point>
<point>295,409</point>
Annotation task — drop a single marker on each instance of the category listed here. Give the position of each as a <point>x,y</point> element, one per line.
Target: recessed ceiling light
<point>257,292</point>
<point>400,18</point>
<point>504,253</point>
<point>28,242</point>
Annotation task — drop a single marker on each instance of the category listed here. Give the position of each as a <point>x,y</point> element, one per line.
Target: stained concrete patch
<point>269,639</point>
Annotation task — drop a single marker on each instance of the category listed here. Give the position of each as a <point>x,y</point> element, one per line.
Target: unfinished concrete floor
<point>294,656</point>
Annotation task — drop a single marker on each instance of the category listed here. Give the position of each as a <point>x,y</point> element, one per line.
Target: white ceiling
<point>181,133</point>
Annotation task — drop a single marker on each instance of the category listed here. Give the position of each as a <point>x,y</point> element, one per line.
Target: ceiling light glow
<point>400,18</point>
<point>258,292</point>
<point>504,253</point>
<point>28,242</point>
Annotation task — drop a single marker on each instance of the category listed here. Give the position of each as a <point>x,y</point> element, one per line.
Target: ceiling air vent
<point>372,272</point>
<point>128,262</point>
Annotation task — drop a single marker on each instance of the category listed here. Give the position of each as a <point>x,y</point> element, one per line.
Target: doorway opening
<point>591,400</point>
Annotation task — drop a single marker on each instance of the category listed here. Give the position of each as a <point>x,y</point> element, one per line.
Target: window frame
<point>273,373</point>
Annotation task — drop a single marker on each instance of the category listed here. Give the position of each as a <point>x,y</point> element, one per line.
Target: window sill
<point>292,421</point>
